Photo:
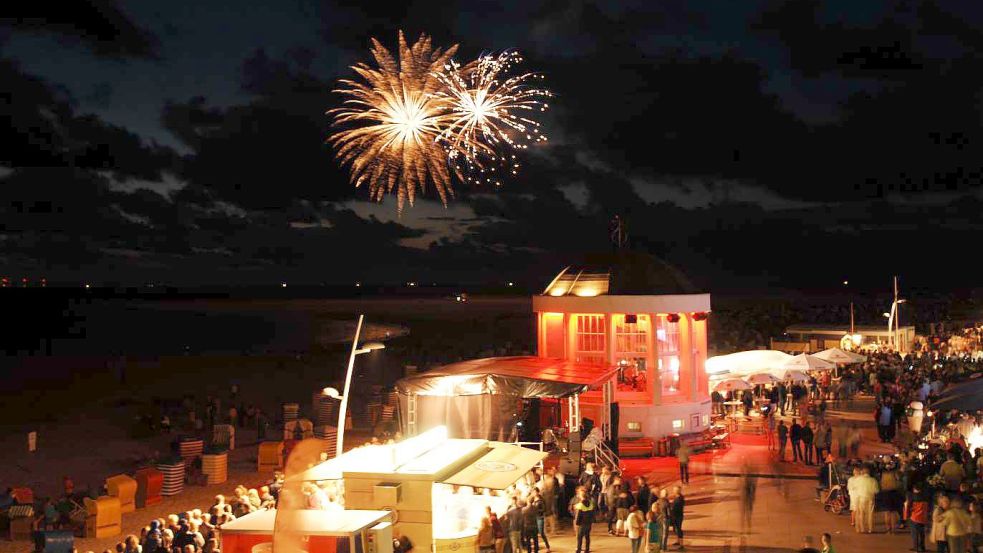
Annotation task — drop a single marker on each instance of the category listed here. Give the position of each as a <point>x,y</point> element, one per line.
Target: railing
<point>537,444</point>
<point>604,455</point>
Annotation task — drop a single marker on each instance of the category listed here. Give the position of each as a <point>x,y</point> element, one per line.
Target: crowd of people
<point>630,508</point>
<point>196,530</point>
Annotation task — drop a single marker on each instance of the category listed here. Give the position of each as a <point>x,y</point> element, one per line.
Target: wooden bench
<point>636,447</point>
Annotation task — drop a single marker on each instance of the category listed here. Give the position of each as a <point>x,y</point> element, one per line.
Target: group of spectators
<point>196,531</point>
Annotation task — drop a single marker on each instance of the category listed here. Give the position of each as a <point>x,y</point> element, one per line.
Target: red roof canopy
<point>525,376</point>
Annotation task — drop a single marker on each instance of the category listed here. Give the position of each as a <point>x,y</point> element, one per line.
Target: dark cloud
<point>42,130</point>
<point>100,25</point>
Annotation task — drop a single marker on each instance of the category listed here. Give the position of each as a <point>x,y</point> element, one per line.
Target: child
<point>653,534</point>
<point>827,543</point>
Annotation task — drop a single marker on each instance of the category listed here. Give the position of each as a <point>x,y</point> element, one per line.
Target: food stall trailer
<point>434,487</point>
<point>317,531</point>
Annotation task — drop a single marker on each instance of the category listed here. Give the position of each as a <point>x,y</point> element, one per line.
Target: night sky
<point>755,145</point>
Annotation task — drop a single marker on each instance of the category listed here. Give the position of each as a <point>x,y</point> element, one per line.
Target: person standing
<point>549,488</point>
<point>676,511</point>
<point>538,504</point>
<point>513,518</point>
<point>782,440</point>
<point>682,455</point>
<point>952,472</point>
<point>643,495</point>
<point>635,526</point>
<point>609,499</point>
<point>590,482</point>
<point>530,534</point>
<point>865,489</point>
<point>916,513</point>
<point>497,529</point>
<point>807,437</point>
<point>653,533</point>
<point>938,532</point>
<point>795,434</point>
<point>661,510</point>
<point>958,526</point>
<point>486,533</point>
<point>584,511</point>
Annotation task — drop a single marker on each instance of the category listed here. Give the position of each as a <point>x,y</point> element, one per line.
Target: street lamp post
<point>331,392</point>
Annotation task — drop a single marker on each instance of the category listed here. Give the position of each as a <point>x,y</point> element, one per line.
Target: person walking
<point>770,429</point>
<point>916,513</point>
<point>584,511</point>
<point>749,486</point>
<point>782,440</point>
<point>676,512</point>
<point>795,434</point>
<point>807,437</point>
<point>682,455</point>
<point>635,525</point>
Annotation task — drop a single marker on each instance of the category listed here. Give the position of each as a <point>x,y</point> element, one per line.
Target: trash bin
<point>662,447</point>
<point>673,443</point>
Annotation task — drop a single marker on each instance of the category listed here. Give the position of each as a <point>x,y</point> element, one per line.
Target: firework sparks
<point>394,115</point>
<point>424,118</point>
<point>490,115</point>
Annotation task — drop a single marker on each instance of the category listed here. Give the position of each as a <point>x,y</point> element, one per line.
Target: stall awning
<point>308,522</point>
<point>498,469</point>
<point>524,376</point>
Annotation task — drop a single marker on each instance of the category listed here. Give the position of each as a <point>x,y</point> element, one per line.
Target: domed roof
<point>624,273</point>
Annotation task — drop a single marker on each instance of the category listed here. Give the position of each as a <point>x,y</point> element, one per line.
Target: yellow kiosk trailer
<point>436,488</point>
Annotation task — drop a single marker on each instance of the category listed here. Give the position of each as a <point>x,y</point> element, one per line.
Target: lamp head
<point>373,346</point>
<point>331,392</point>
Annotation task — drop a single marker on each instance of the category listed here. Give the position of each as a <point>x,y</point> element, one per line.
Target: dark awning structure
<point>525,376</point>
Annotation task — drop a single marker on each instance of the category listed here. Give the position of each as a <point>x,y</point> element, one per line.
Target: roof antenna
<point>619,232</point>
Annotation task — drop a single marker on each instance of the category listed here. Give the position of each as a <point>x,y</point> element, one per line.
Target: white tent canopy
<point>806,362</point>
<point>837,355</point>
<point>744,363</point>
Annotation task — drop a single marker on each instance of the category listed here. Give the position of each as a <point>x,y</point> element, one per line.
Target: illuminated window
<point>590,339</point>
<point>634,427</point>
<point>677,424</point>
<point>631,337</point>
<point>706,420</point>
<point>631,341</point>
<point>667,334</point>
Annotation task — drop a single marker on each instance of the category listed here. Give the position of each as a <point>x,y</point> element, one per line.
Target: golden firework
<point>490,113</point>
<point>393,119</point>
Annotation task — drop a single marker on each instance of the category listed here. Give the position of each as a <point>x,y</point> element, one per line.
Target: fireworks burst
<point>395,116</point>
<point>427,118</point>
<point>490,114</point>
